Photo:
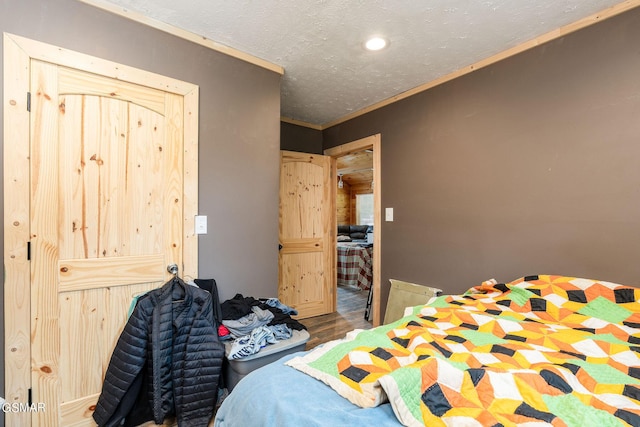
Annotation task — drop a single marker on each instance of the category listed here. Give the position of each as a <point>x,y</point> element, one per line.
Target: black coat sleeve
<point>197,379</point>
<point>124,373</point>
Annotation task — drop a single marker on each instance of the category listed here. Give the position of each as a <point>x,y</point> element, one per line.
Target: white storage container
<point>239,368</point>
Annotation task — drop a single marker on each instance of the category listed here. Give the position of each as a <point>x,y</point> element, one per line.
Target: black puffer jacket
<point>167,361</point>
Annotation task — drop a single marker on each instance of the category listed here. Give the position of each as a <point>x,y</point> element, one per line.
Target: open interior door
<point>307,257</point>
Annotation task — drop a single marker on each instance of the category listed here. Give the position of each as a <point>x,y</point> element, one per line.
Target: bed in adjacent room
<point>541,350</point>
<point>355,265</point>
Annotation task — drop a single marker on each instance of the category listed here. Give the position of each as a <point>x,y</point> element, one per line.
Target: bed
<point>541,350</point>
<point>355,265</point>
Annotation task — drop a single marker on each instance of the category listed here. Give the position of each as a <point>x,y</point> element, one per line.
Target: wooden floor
<point>349,316</point>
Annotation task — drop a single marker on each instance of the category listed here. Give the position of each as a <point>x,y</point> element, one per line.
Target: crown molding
<point>547,37</point>
<point>183,34</point>
<point>300,123</point>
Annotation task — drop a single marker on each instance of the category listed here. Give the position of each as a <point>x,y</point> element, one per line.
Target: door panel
<point>96,203</point>
<point>106,219</point>
<point>90,273</point>
<point>307,233</point>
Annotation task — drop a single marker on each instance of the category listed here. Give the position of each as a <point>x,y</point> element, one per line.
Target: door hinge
<point>28,251</point>
<point>29,398</point>
<point>29,101</point>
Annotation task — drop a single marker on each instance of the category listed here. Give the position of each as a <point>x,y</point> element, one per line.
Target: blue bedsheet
<point>280,396</point>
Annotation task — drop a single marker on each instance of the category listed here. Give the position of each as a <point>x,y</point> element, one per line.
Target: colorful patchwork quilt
<point>542,350</point>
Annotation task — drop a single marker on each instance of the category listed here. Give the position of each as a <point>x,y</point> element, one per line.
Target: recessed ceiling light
<point>376,43</point>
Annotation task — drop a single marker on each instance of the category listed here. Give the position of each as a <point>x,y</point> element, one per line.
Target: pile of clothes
<point>255,323</point>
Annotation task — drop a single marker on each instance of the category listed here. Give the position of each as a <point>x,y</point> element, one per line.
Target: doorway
<point>371,146</point>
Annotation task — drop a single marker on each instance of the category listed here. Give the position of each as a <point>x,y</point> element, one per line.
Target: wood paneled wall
<point>346,202</point>
<point>343,205</point>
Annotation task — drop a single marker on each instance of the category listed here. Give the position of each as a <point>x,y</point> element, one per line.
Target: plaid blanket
<point>542,350</point>
<point>355,266</point>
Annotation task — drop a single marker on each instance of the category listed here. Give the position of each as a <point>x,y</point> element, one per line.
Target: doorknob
<point>173,269</point>
<point>279,246</point>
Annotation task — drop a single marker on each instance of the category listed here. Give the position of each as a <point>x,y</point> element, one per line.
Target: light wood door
<point>307,256</point>
<point>107,215</point>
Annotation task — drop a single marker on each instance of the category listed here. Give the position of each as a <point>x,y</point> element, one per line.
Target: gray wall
<point>239,131</point>
<point>528,166</point>
<point>299,138</point>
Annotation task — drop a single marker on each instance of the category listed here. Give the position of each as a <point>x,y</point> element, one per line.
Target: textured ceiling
<point>328,74</point>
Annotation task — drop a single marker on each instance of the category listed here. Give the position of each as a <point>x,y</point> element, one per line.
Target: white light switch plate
<point>201,224</point>
<point>388,214</point>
